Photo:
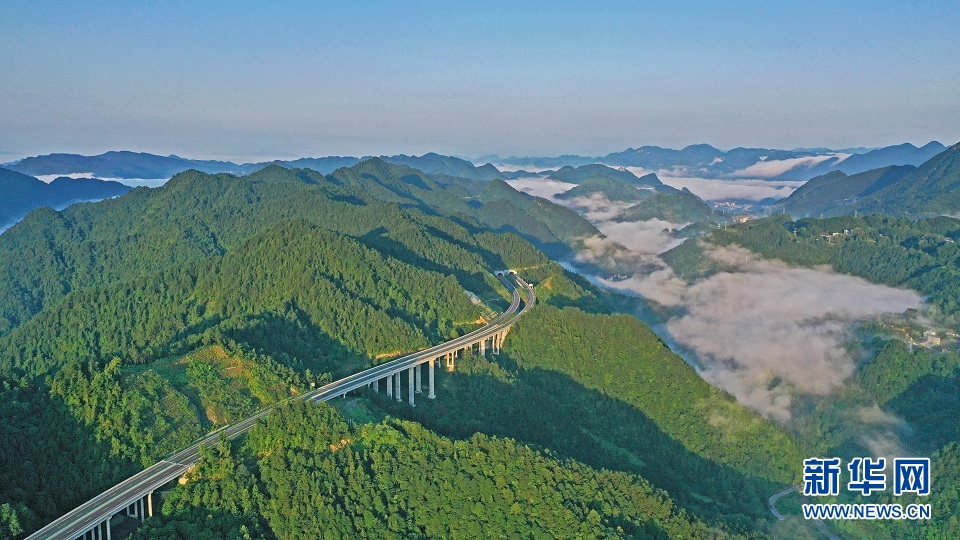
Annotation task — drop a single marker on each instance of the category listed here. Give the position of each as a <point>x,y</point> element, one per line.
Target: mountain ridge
<point>23,193</point>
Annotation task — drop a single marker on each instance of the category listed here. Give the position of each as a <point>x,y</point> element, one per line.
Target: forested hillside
<point>305,473</point>
<point>676,207</point>
<point>145,320</point>
<point>931,189</point>
<point>605,390</point>
<point>835,193</point>
<point>612,189</point>
<point>141,322</point>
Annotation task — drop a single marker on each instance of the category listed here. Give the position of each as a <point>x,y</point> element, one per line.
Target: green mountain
<point>557,230</point>
<point>932,189</point>
<point>678,207</point>
<point>125,164</point>
<point>863,161</point>
<point>612,189</point>
<point>196,303</point>
<point>137,323</point>
<point>122,164</point>
<point>833,193</point>
<point>577,175</point>
<point>23,193</point>
<point>433,163</point>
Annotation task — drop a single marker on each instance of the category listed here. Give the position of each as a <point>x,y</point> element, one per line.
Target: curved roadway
<point>75,523</point>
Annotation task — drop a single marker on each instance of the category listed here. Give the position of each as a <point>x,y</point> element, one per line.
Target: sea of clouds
<point>762,330</point>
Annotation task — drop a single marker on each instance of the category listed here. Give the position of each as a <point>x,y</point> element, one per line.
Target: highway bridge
<point>134,496</point>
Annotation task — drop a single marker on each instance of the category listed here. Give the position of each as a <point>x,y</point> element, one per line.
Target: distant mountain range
<point>22,193</point>
<point>135,165</point>
<point>933,188</point>
<point>901,154</point>
<point>118,165</point>
<point>703,160</point>
<point>843,183</point>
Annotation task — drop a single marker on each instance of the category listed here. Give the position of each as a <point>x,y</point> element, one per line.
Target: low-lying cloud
<point>651,237</point>
<point>767,330</point>
<point>763,330</point>
<point>774,168</point>
<point>624,246</point>
<point>541,187</point>
<point>711,189</point>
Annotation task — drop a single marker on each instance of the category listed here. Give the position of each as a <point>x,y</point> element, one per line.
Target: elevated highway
<point>134,496</point>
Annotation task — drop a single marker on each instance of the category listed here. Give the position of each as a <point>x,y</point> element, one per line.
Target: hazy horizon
<point>7,157</point>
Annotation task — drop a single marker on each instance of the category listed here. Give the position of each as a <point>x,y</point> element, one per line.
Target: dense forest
<point>304,472</point>
<point>140,323</point>
<point>621,402</point>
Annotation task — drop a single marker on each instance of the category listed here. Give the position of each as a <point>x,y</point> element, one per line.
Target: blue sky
<point>244,80</point>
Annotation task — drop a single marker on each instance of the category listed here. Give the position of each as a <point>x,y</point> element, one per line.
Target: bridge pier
<point>389,386</point>
<point>396,388</point>
<point>410,386</point>
<point>417,369</point>
<point>100,531</point>
<point>431,395</point>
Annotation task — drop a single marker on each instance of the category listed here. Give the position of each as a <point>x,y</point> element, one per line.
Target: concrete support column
<point>96,533</point>
<point>450,361</point>
<point>389,385</point>
<point>410,386</point>
<point>417,370</point>
<point>109,535</point>
<point>150,504</point>
<point>431,395</point>
<point>396,389</point>
<point>483,346</point>
<point>376,386</point>
<point>139,504</point>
